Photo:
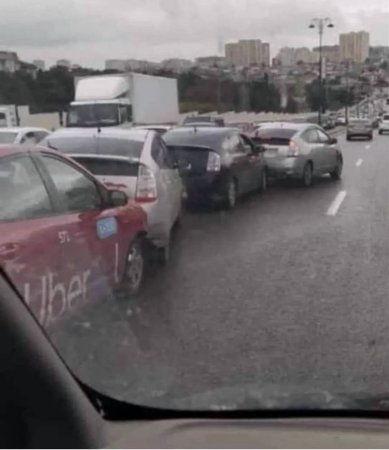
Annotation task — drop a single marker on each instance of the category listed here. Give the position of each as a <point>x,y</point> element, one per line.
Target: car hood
<point>249,398</point>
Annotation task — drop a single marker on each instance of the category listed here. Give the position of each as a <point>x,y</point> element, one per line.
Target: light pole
<point>321,24</point>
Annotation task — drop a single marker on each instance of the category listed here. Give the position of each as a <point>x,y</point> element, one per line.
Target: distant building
<point>247,52</point>
<point>210,61</point>
<point>39,64</point>
<point>9,62</point>
<point>330,52</point>
<point>379,54</point>
<point>354,46</point>
<point>64,63</point>
<point>290,56</point>
<point>76,67</point>
<point>177,64</point>
<point>116,64</point>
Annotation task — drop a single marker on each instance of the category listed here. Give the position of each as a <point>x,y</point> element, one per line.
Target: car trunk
<point>275,141</point>
<point>112,171</point>
<point>191,160</point>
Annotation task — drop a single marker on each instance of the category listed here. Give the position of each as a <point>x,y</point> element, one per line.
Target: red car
<point>65,238</point>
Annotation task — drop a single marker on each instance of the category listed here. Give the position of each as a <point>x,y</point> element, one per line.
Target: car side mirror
<point>117,198</point>
<point>259,149</point>
<point>333,140</point>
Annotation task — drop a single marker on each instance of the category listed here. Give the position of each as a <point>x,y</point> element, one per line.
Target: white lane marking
<point>359,162</point>
<point>335,205</point>
<point>367,147</point>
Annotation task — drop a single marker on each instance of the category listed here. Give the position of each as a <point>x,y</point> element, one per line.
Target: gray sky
<point>89,31</point>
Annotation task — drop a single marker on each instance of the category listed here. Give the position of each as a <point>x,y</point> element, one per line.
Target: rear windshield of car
<point>359,122</point>
<point>101,145</point>
<point>280,136</point>
<point>7,137</point>
<point>109,167</point>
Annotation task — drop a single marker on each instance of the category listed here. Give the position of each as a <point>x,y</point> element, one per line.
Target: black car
<point>217,164</point>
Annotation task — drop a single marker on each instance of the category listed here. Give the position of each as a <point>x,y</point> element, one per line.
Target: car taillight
<point>293,149</point>
<point>146,188</point>
<point>214,162</point>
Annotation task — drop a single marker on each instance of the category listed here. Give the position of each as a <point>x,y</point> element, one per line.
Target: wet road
<point>289,290</point>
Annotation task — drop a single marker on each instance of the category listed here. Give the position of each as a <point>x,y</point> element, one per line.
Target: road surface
<point>289,291</point>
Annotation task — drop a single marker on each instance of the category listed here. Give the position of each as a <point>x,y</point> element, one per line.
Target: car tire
<point>162,254</point>
<point>336,174</point>
<point>263,183</point>
<point>231,195</point>
<point>134,270</point>
<point>380,132</point>
<point>307,178</point>
<point>348,138</point>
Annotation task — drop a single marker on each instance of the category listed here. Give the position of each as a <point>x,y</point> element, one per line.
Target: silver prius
<point>300,151</point>
<point>136,161</point>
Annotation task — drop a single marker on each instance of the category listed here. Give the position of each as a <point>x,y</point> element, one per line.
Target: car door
<point>175,182</point>
<point>165,185</point>
<point>328,152</point>
<point>97,239</point>
<point>255,161</point>
<point>314,148</point>
<point>31,228</point>
<point>240,164</point>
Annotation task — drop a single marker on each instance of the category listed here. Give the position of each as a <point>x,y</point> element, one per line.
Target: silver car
<point>300,151</point>
<point>22,135</point>
<point>359,128</point>
<point>136,161</point>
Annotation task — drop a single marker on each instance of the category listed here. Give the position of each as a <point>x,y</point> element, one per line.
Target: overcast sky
<point>89,31</point>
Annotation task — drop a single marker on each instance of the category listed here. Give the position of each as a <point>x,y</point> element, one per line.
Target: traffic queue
<point>83,213</point>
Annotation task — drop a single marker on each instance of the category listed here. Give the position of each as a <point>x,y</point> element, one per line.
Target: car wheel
<point>307,178</point>
<point>380,132</point>
<point>134,270</point>
<point>348,138</point>
<point>231,194</point>
<point>264,182</point>
<point>336,174</point>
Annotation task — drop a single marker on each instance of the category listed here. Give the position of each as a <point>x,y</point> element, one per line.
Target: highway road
<point>290,292</point>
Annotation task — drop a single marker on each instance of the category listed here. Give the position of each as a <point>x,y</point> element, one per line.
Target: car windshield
<point>93,115</point>
<point>359,122</point>
<point>7,137</point>
<point>206,225</point>
<point>95,144</point>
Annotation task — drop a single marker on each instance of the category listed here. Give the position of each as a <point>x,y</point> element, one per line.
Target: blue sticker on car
<point>107,227</point>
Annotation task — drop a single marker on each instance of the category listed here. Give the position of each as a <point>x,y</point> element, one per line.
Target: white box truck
<point>123,100</point>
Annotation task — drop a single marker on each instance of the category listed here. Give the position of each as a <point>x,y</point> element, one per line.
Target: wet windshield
<point>206,225</point>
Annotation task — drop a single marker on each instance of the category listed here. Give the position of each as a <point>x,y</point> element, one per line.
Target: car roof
<point>11,149</point>
<point>136,134</point>
<point>21,129</point>
<point>288,125</point>
<point>197,135</point>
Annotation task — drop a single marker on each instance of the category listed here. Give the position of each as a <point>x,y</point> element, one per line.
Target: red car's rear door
<point>103,234</point>
<point>30,238</point>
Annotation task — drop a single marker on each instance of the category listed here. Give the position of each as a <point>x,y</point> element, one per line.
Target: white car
<point>22,135</point>
<point>136,161</point>
<point>383,126</point>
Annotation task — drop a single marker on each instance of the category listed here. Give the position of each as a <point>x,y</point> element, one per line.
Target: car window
<point>23,193</point>
<point>30,138</point>
<point>247,145</point>
<point>40,135</point>
<point>160,153</point>
<point>76,191</point>
<point>323,137</point>
<point>311,136</point>
<point>235,144</point>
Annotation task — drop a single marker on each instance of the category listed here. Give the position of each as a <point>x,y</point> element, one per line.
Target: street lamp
<point>320,24</point>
